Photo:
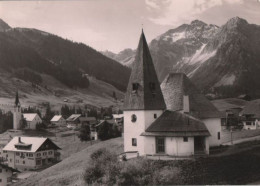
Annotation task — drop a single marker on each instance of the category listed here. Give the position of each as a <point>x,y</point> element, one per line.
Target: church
<point>173,119</point>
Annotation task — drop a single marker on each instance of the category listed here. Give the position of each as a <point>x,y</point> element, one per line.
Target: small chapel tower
<point>144,101</point>
<point>17,115</point>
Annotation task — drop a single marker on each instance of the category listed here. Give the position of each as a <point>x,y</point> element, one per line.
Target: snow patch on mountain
<point>226,80</point>
<point>200,56</point>
<point>177,36</point>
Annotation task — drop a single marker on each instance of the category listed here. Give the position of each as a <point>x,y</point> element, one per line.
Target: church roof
<point>177,85</point>
<point>174,123</point>
<point>143,91</point>
<point>17,102</point>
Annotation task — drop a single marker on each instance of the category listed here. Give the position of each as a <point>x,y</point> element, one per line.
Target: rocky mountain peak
<point>236,22</point>
<point>198,23</point>
<point>3,25</point>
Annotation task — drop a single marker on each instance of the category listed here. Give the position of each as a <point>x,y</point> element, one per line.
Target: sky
<point>115,25</point>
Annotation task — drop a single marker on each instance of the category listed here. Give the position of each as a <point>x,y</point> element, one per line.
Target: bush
<point>106,169</point>
<point>84,133</point>
<point>107,131</point>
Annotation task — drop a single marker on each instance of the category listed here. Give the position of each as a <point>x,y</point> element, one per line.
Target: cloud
<point>179,11</point>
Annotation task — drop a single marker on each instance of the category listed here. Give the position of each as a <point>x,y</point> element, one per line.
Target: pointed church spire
<point>17,102</point>
<point>143,91</point>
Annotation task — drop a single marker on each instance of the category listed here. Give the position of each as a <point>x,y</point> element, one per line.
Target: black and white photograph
<point>129,92</point>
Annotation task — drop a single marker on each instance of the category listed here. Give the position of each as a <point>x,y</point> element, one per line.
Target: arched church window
<point>135,87</point>
<point>133,118</point>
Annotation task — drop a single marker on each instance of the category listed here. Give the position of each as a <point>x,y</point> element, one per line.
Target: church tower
<point>144,101</point>
<point>17,115</point>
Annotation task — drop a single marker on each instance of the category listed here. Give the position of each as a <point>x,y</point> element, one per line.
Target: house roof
<point>252,108</point>
<point>56,118</point>
<point>118,116</point>
<point>29,116</point>
<point>73,117</point>
<point>177,85</point>
<point>82,119</point>
<point>174,123</point>
<point>9,168</point>
<point>34,143</point>
<point>148,95</point>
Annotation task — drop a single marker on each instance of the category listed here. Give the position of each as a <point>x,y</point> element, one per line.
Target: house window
<point>17,154</point>
<point>218,135</point>
<point>50,152</point>
<point>133,118</point>
<point>155,116</point>
<point>248,123</point>
<point>0,170</point>
<point>160,145</point>
<point>134,142</point>
<point>38,154</point>
<point>0,180</point>
<point>23,162</point>
<point>185,139</point>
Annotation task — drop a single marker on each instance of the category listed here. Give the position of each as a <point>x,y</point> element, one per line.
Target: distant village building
<point>250,116</point>
<point>17,114</point>
<point>88,120</point>
<point>186,125</point>
<point>32,119</point>
<point>73,121</point>
<point>58,120</point>
<point>6,174</point>
<point>26,153</point>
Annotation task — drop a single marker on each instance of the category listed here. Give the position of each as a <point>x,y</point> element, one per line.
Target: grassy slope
<point>70,170</point>
<point>224,104</point>
<point>98,94</point>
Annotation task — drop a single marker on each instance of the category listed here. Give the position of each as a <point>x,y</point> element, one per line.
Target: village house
<point>58,120</point>
<point>6,174</point>
<point>29,153</point>
<point>32,119</point>
<point>73,121</point>
<point>250,116</point>
<point>88,120</point>
<point>186,125</point>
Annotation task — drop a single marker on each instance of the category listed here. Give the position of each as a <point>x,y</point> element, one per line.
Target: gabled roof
<point>177,85</point>
<point>148,95</point>
<point>118,116</point>
<point>56,118</point>
<point>173,123</point>
<point>73,117</point>
<point>34,142</point>
<point>29,116</point>
<point>82,119</point>
<point>252,108</point>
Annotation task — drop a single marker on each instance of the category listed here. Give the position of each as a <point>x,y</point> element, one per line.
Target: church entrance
<point>160,145</point>
<point>199,144</point>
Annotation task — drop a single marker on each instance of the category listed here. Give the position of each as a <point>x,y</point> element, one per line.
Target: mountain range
<point>36,59</point>
<point>223,61</point>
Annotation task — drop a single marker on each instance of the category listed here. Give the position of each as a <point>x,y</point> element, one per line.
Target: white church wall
<point>214,127</point>
<point>175,146</point>
<point>134,129</point>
